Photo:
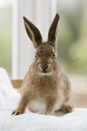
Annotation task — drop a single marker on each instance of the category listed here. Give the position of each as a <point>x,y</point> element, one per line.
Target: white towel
<point>9,99</point>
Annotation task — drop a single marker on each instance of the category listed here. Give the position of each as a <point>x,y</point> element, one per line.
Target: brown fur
<point>45,83</point>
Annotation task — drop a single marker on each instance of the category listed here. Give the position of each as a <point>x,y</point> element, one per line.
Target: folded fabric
<point>9,99</point>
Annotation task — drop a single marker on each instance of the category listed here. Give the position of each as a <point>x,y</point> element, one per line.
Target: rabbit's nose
<point>44,66</point>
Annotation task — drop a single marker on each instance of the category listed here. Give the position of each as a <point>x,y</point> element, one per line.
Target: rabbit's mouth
<point>44,71</point>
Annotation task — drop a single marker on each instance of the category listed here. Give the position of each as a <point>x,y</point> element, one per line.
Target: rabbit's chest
<point>37,105</point>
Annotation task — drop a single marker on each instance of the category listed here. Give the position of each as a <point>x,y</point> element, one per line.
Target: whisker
<point>30,54</point>
<point>26,65</point>
<point>26,61</point>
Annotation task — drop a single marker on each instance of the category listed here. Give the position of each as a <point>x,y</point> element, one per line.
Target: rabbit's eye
<point>53,54</point>
<point>36,57</point>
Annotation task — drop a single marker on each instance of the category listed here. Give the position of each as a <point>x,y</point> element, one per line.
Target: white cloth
<point>9,99</point>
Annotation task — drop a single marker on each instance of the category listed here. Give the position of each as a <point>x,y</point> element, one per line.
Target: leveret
<point>45,88</point>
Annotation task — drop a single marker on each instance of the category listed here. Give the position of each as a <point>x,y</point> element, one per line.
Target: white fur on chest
<point>38,105</point>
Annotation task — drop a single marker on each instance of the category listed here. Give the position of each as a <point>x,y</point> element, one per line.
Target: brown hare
<point>45,88</point>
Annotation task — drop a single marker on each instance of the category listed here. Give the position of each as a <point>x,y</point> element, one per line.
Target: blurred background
<point>6,35</point>
<point>71,47</point>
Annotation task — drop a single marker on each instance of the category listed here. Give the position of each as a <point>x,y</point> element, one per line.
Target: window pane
<point>6,35</point>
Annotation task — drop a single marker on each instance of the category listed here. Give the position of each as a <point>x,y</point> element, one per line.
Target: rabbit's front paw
<point>48,113</point>
<point>67,108</point>
<point>17,112</point>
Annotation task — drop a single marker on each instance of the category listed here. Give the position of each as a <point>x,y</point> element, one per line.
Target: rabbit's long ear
<point>52,34</point>
<point>33,32</point>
